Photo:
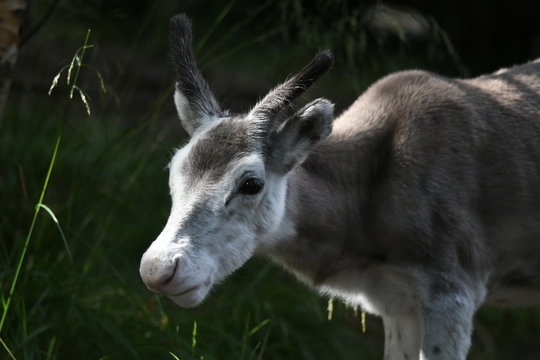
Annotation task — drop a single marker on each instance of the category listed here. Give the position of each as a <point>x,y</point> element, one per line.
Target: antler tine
<point>288,91</point>
<point>190,80</point>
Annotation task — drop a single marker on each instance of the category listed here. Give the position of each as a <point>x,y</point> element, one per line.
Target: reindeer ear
<point>195,102</point>
<point>292,141</point>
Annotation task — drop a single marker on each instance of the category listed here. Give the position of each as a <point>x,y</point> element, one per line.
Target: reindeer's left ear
<point>292,141</point>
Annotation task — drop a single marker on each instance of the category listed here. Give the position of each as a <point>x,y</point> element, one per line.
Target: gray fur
<point>419,203</point>
<point>290,143</point>
<point>441,177</point>
<point>236,139</point>
<point>278,99</point>
<point>190,80</point>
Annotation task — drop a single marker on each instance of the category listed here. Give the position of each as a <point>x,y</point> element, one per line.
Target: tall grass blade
<point>78,59</point>
<point>194,338</point>
<point>254,350</point>
<point>264,343</point>
<point>7,349</point>
<point>51,347</point>
<point>258,327</point>
<point>214,25</point>
<point>55,219</point>
<point>30,231</point>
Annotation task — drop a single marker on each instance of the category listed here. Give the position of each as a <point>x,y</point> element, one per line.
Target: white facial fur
<point>212,229</point>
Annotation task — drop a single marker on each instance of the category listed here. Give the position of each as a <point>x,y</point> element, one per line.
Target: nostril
<point>169,279</point>
<point>158,273</point>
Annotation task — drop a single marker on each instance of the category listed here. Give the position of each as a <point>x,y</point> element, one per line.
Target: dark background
<point>108,187</point>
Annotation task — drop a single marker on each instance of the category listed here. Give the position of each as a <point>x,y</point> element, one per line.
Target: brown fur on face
<point>217,148</point>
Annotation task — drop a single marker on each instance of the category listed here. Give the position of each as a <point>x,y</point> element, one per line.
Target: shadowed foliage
<point>108,189</point>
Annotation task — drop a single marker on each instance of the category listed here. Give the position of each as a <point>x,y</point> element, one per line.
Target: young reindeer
<point>419,203</point>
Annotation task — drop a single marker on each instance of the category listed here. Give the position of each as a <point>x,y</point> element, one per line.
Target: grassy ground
<point>108,191</point>
<point>79,295</point>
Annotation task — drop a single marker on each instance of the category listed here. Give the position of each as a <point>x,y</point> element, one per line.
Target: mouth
<point>184,292</point>
<point>193,295</point>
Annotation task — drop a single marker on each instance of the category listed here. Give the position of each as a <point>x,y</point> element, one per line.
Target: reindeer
<point>419,203</point>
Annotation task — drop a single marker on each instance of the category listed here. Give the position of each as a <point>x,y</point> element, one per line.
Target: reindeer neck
<point>327,208</point>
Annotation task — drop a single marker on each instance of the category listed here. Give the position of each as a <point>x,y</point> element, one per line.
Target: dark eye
<point>251,186</point>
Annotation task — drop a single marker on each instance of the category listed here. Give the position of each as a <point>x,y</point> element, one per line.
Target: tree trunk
<point>11,18</point>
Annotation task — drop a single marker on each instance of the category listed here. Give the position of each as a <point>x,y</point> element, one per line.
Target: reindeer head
<point>229,183</point>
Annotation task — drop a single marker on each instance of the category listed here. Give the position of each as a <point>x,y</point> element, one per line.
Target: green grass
<point>108,191</point>
<point>111,202</point>
<point>76,293</point>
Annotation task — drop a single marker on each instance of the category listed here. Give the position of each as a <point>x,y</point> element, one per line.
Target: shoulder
<point>401,96</point>
<point>410,85</point>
